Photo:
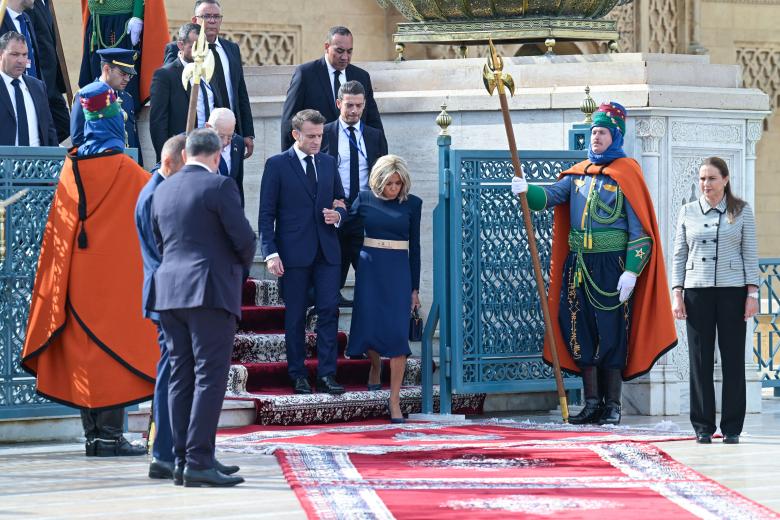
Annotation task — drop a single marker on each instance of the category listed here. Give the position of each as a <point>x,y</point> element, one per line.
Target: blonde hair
<point>383,169</point>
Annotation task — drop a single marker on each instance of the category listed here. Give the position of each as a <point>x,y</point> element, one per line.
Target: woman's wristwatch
<point>753,294</point>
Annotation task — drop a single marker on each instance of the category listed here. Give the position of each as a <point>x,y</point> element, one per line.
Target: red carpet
<point>489,470</point>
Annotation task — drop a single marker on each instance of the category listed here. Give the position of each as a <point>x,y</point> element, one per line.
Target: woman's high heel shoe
<point>378,386</point>
<point>395,420</point>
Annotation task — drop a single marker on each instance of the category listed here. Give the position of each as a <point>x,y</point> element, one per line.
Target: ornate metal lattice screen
<point>766,336</point>
<point>36,170</point>
<point>497,323</point>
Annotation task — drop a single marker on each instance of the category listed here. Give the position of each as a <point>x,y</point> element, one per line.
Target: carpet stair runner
<point>259,371</point>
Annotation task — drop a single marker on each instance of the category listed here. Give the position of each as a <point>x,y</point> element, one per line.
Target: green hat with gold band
<point>610,115</point>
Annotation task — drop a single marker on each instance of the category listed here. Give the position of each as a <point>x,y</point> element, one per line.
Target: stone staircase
<point>258,387</point>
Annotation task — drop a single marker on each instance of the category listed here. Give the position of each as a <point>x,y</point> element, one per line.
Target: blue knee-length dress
<point>385,278</point>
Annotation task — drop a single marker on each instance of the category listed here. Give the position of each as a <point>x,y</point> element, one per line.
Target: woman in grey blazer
<point>715,280</point>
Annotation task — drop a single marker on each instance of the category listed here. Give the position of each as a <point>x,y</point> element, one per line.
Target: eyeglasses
<point>211,17</point>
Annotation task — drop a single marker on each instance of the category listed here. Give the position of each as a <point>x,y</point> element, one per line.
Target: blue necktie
<point>32,69</point>
<point>311,174</point>
<point>223,169</point>
<point>21,114</point>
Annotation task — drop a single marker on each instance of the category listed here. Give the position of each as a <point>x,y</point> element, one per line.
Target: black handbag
<point>415,326</point>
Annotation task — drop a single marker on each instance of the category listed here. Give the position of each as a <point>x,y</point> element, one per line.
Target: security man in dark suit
<point>118,68</point>
<point>316,84</point>
<point>228,79</point>
<point>356,147</point>
<point>170,102</point>
<point>231,164</point>
<point>23,100</point>
<point>50,66</point>
<point>207,248</point>
<point>299,243</point>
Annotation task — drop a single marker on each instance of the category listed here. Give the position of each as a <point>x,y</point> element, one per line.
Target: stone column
<point>657,392</point>
<point>752,375</point>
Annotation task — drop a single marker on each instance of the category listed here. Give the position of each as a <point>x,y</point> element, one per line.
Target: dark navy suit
<point>163,441</point>
<point>291,224</point>
<point>310,87</point>
<point>236,170</point>
<point>351,233</point>
<point>46,131</point>
<point>207,248</point>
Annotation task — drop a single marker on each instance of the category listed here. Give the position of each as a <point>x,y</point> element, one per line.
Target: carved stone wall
<point>625,16</point>
<point>662,21</point>
<point>761,68</point>
<point>260,44</point>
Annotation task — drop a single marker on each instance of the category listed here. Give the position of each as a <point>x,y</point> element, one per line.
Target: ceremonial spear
<point>3,8</point>
<point>496,79</point>
<point>202,66</point>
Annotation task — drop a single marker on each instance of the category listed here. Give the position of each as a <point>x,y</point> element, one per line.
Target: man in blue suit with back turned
<point>297,225</point>
<point>207,247</point>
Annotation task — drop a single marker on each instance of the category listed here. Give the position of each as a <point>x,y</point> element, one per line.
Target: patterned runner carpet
<point>488,470</point>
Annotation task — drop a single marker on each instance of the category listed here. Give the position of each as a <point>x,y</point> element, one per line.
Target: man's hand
<point>275,266</point>
<point>519,185</point>
<point>249,147</point>
<point>135,26</point>
<point>339,203</point>
<point>626,285</point>
<point>331,216</point>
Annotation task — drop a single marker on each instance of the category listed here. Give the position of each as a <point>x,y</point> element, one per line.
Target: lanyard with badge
<point>354,143</point>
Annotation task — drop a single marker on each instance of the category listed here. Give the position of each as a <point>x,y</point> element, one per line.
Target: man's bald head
<point>172,157</point>
<point>223,121</point>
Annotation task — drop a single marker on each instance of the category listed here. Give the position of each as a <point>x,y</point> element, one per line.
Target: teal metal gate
<point>491,329</point>
<point>37,171</point>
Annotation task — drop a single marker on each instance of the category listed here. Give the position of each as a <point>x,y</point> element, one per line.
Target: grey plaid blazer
<point>711,252</point>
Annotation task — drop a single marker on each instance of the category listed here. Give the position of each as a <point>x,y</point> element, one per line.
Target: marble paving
<point>56,481</point>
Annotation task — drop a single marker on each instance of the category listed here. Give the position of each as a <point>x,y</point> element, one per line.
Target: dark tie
<point>218,79</point>
<point>205,94</point>
<point>310,173</point>
<point>24,27</point>
<point>21,114</point>
<point>336,84</point>
<point>223,169</point>
<point>354,169</point>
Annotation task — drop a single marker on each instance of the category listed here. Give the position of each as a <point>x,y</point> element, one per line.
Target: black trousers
<point>103,424</point>
<point>721,310</point>
<point>351,241</point>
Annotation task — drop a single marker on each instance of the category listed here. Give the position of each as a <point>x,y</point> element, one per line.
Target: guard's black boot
<point>591,412</point>
<point>614,387</point>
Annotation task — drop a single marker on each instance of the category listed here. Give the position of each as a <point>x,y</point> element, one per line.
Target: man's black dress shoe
<point>178,475</point>
<point>703,438</point>
<point>329,385</point>
<point>344,302</point>
<point>160,469</point>
<point>301,385</point>
<point>120,447</point>
<point>209,478</point>
<point>225,470</point>
<point>731,439</point>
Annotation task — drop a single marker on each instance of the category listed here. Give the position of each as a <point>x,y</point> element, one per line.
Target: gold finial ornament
<point>588,106</point>
<point>399,52</point>
<point>549,43</point>
<point>493,75</point>
<point>444,120</point>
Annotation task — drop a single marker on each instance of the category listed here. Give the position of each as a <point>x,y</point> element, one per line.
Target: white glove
<point>519,185</point>
<point>626,285</point>
<point>134,27</point>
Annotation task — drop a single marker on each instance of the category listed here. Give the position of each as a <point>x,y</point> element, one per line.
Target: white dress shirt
<point>226,155</point>
<point>29,105</point>
<point>331,69</point>
<point>193,162</point>
<point>226,69</point>
<point>302,157</point>
<point>200,110</point>
<point>344,157</point>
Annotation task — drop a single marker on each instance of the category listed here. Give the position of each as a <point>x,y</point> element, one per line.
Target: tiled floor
<point>57,481</point>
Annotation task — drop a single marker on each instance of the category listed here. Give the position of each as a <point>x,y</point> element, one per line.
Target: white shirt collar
<point>345,126</point>
<point>301,155</point>
<point>14,14</point>
<point>8,79</point>
<point>705,205</point>
<point>332,69</point>
<point>193,162</point>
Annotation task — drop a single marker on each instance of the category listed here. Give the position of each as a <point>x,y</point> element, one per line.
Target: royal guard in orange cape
<point>87,341</point>
<point>138,25</point>
<point>608,291</point>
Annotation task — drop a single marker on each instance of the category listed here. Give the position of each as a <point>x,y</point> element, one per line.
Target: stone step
<point>235,414</point>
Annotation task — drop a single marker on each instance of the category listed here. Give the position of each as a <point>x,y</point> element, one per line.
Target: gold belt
<point>386,244</point>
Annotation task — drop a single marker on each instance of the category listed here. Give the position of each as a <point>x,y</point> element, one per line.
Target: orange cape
<point>87,341</point>
<point>153,41</point>
<point>652,325</point>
